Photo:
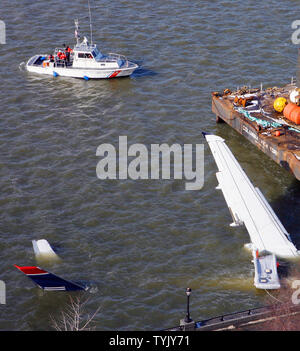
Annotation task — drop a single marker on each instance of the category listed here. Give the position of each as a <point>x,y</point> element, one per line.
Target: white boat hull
<point>85,73</point>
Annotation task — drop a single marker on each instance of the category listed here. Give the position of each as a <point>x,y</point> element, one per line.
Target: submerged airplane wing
<point>48,281</point>
<point>248,205</point>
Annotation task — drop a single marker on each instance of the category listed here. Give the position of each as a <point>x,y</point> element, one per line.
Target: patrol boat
<point>84,61</point>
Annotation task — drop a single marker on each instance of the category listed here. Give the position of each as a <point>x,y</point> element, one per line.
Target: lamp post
<point>187,318</point>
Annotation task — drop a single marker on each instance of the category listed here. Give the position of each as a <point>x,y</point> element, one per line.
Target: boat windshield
<point>97,54</point>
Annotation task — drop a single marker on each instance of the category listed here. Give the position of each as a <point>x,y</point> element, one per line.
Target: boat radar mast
<point>77,35</point>
<point>90,15</point>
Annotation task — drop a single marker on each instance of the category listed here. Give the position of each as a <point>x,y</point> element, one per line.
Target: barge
<point>254,114</point>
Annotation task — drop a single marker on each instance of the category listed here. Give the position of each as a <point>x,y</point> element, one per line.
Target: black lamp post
<point>187,318</point>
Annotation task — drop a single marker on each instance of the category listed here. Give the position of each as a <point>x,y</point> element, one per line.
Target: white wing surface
<point>248,205</point>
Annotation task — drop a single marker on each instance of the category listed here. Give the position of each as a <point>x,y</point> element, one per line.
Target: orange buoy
<point>277,133</point>
<point>292,112</point>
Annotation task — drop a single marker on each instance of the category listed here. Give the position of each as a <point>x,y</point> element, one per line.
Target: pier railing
<point>236,319</point>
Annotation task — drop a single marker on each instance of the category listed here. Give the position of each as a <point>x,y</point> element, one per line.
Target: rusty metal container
<point>292,113</point>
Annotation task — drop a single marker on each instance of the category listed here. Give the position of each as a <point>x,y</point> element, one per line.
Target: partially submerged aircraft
<point>42,249</point>
<point>49,281</point>
<point>265,267</point>
<point>46,280</point>
<point>248,206</point>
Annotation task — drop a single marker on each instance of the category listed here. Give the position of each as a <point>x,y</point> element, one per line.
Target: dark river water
<point>140,243</point>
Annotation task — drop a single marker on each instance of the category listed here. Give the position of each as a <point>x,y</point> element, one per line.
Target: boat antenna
<point>90,15</point>
<point>77,35</point>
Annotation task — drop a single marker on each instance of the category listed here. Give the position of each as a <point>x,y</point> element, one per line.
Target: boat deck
<point>251,113</point>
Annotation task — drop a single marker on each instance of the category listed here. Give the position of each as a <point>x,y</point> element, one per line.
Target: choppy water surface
<point>140,243</point>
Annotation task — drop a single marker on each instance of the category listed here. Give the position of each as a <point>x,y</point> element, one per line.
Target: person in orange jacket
<point>68,51</point>
<point>61,55</point>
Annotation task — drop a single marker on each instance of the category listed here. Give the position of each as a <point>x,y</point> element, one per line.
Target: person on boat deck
<point>61,55</point>
<point>51,58</point>
<point>68,51</point>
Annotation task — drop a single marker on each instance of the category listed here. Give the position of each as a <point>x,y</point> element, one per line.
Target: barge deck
<point>251,113</point>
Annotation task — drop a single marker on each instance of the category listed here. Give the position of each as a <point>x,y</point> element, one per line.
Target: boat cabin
<point>87,55</point>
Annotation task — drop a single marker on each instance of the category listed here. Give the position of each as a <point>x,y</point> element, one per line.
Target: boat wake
<point>22,66</point>
<point>143,72</point>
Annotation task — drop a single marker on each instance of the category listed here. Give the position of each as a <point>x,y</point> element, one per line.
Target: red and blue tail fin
<point>48,281</point>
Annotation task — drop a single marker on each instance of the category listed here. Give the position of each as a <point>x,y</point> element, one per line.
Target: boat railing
<point>118,57</point>
<point>59,62</point>
<point>32,60</point>
<point>57,50</point>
